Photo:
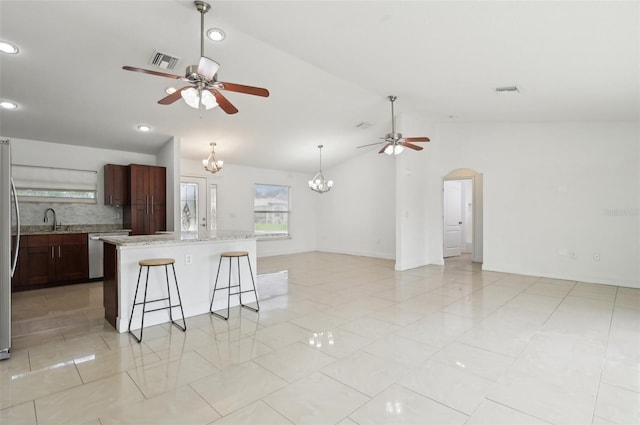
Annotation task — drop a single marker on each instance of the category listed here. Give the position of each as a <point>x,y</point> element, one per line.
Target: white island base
<point>196,267</point>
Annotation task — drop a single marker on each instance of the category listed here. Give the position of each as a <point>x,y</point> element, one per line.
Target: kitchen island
<point>196,266</point>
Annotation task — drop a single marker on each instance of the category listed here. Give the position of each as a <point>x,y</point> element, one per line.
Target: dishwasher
<point>96,250</point>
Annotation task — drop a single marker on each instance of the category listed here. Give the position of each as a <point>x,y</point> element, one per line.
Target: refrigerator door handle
<point>17,247</point>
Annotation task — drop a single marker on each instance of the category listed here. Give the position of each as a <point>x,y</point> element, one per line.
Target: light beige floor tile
<point>487,364</point>
<point>55,353</point>
<point>370,327</point>
<point>280,335</point>
<point>237,386</point>
<point>618,405</point>
<point>17,363</point>
<point>225,353</point>
<point>437,329</point>
<point>114,362</point>
<point>256,413</point>
<point>319,321</point>
<point>156,379</point>
<point>623,375</point>
<point>399,405</point>
<point>87,402</point>
<point>403,350</point>
<point>337,343</point>
<point>294,361</point>
<point>316,399</point>
<point>22,414</point>
<point>491,413</point>
<point>175,344</point>
<point>180,406</point>
<point>365,372</point>
<point>450,386</point>
<point>20,387</point>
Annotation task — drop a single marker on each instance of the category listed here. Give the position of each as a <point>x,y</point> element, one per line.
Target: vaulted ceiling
<point>329,66</point>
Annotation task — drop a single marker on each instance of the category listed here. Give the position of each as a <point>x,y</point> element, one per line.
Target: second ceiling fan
<point>394,142</point>
<point>203,88</point>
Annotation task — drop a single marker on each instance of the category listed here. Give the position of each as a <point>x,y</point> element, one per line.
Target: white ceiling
<point>329,65</point>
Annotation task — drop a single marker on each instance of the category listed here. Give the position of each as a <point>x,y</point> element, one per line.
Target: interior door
<point>193,205</point>
<point>452,218</point>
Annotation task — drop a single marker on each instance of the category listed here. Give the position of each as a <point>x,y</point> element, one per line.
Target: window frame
<point>263,235</point>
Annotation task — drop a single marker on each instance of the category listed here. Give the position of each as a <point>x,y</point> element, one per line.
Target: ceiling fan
<point>394,142</point>
<point>204,88</point>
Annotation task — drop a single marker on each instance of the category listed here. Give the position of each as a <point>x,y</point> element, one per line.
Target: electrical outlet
<point>188,259</point>
<point>596,256</point>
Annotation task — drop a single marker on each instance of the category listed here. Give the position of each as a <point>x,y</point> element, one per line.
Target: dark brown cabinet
<point>146,212</point>
<point>51,260</point>
<point>115,185</point>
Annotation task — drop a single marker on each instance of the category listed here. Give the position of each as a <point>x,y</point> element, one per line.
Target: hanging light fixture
<point>319,183</point>
<point>211,164</point>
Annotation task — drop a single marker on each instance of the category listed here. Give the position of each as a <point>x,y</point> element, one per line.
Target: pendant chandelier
<point>211,164</point>
<point>319,183</point>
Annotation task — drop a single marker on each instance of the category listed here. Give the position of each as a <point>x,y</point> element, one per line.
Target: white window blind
<point>40,184</point>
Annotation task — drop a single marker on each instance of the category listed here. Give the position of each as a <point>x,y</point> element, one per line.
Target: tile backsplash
<point>32,213</point>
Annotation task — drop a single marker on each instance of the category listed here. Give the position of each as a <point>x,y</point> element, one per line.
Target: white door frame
<point>477,202</point>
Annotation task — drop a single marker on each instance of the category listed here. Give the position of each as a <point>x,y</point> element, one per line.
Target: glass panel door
<point>198,214</point>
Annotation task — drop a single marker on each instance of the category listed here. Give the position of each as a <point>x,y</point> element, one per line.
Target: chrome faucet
<point>55,222</point>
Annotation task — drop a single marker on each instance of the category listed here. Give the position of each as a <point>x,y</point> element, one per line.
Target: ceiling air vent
<point>163,60</point>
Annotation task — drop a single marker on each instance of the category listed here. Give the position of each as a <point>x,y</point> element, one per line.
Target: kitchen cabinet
<point>146,212</point>
<point>51,260</point>
<point>116,178</point>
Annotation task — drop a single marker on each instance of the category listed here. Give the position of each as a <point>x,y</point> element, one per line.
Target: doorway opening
<point>462,215</point>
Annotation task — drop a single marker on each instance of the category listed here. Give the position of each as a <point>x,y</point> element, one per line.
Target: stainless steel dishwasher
<point>96,250</point>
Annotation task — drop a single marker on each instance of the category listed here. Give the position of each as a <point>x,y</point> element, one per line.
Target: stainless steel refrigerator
<point>9,245</point>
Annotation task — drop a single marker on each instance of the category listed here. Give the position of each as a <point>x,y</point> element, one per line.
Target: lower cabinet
<point>51,260</point>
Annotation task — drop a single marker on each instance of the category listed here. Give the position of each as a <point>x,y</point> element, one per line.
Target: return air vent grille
<point>163,60</point>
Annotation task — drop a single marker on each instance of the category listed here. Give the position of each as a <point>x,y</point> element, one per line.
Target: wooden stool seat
<point>237,288</point>
<point>234,254</point>
<point>151,262</point>
<point>157,262</point>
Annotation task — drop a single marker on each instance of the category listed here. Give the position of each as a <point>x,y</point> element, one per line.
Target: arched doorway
<point>472,209</point>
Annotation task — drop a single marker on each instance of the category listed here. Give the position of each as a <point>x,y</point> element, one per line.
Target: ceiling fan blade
<point>384,147</point>
<point>370,144</point>
<point>168,100</point>
<point>256,91</point>
<point>410,146</point>
<point>223,102</point>
<point>147,71</point>
<point>416,139</point>
<point>207,67</point>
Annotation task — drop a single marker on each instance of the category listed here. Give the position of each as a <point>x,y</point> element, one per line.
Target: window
<point>49,184</point>
<point>271,210</point>
<point>198,209</point>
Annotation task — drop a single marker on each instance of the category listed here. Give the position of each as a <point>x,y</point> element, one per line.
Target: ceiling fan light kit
<point>211,164</point>
<point>319,183</point>
<point>395,143</point>
<point>204,89</point>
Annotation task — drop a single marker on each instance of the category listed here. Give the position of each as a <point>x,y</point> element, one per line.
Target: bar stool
<point>156,262</point>
<point>231,255</point>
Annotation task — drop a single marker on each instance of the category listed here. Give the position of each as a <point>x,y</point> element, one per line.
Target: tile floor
<point>339,340</point>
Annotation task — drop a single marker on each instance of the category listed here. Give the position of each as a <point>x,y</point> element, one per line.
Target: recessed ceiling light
<point>216,34</point>
<point>8,48</point>
<point>5,104</point>
<point>170,90</point>
<point>143,128</point>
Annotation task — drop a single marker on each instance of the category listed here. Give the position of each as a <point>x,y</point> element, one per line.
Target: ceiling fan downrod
<point>203,8</point>
<point>393,135</point>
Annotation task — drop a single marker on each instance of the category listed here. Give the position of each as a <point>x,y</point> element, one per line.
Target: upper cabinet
<point>115,185</point>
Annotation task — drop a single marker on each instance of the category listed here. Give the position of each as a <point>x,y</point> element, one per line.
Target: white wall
<point>554,194</point>
<point>358,215</point>
<point>235,203</point>
<point>169,157</point>
<point>32,152</point>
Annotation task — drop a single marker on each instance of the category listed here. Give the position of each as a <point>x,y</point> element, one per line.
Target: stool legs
<point>239,292</point>
<point>144,302</point>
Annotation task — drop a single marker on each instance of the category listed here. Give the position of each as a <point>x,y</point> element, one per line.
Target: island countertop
<point>175,238</point>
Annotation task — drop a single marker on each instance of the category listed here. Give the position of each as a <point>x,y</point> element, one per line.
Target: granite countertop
<point>71,228</point>
<point>175,238</point>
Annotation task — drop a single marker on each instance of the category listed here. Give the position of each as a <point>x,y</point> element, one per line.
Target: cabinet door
<point>139,184</point>
<point>158,219</point>
<point>158,178</point>
<point>37,265</point>
<point>115,184</point>
<point>137,219</point>
<point>72,258</point>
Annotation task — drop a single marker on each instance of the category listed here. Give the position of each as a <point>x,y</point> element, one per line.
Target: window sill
<point>272,238</point>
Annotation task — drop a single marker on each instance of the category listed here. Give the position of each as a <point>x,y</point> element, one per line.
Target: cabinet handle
<point>59,253</point>
<point>152,204</point>
<point>110,199</point>
<point>52,254</point>
<point>146,208</point>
